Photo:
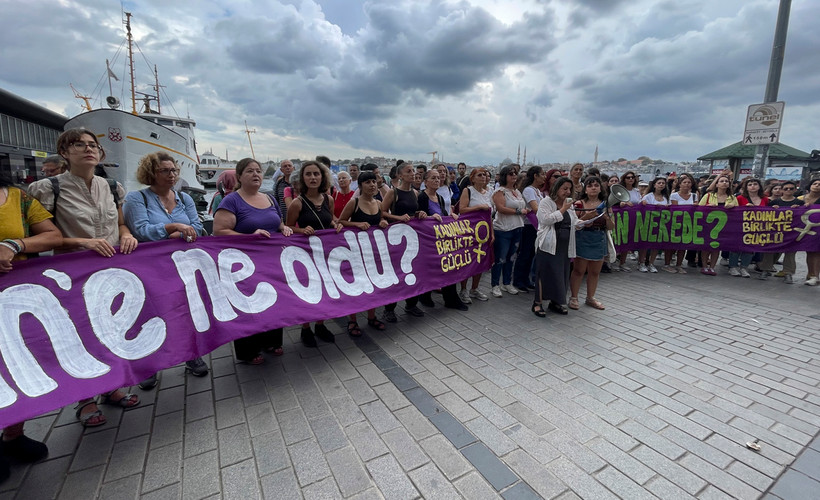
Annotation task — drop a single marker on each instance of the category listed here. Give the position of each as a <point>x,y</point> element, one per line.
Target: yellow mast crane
<point>85,98</point>
<point>434,153</point>
<point>249,132</point>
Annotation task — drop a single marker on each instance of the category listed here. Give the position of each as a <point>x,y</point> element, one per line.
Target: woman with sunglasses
<point>509,219</point>
<point>475,197</point>
<point>629,180</point>
<point>87,213</point>
<point>160,213</point>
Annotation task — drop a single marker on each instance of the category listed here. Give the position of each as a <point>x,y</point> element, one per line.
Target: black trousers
<point>250,347</point>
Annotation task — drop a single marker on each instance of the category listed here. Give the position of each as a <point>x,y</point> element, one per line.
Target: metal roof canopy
<point>19,107</point>
<point>738,150</point>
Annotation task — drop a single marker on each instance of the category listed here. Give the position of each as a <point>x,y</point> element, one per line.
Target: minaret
<point>525,157</point>
<point>518,156</point>
<point>596,154</point>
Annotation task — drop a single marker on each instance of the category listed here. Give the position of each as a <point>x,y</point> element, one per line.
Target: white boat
<point>210,166</point>
<point>128,136</point>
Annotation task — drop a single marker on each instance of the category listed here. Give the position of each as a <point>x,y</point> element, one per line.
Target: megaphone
<point>617,194</point>
<point>112,102</point>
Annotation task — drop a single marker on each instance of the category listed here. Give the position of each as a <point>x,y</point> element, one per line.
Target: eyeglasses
<point>629,177</point>
<point>168,171</point>
<point>82,146</point>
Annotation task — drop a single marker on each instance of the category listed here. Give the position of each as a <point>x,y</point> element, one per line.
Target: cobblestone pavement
<point>655,397</point>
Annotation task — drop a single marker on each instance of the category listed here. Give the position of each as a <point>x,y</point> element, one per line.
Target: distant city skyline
<point>471,80</point>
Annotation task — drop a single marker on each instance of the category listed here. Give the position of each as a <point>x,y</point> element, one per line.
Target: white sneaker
<point>496,291</point>
<point>510,289</point>
<point>652,268</point>
<point>733,271</point>
<point>464,295</point>
<point>724,262</point>
<point>789,280</point>
<point>478,295</point>
<point>642,268</point>
<point>625,268</point>
<point>811,281</point>
<point>745,273</point>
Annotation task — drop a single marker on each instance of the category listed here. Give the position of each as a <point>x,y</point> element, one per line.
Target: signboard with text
<point>763,123</point>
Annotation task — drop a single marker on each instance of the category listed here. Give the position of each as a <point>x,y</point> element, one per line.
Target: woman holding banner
<point>158,213</point>
<point>476,196</point>
<point>310,212</point>
<point>683,195</point>
<point>433,204</point>
<point>812,199</point>
<point>590,242</point>
<point>657,196</point>
<point>751,193</point>
<point>364,212</point>
<point>555,242</point>
<point>629,180</point>
<point>401,204</point>
<point>247,211</point>
<point>87,210</point>
<point>718,194</point>
<point>25,228</point>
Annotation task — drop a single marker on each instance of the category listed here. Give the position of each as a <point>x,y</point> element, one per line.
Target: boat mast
<point>157,86</point>
<point>131,62</point>
<point>249,132</point>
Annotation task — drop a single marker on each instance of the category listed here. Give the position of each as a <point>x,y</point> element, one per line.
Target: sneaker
<point>780,274</point>
<point>745,273</point>
<point>705,271</point>
<point>788,279</point>
<point>642,268</point>
<point>724,262</point>
<point>478,294</point>
<point>811,281</point>
<point>197,367</point>
<point>414,311</point>
<point>510,289</point>
<point>652,268</point>
<point>615,266</point>
<point>764,275</point>
<point>625,268</point>
<point>496,291</point>
<point>733,271</point>
<point>464,295</point>
<point>670,269</point>
<point>680,270</point>
<point>390,316</point>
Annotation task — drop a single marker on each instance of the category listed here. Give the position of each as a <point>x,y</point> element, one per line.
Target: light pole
<point>773,81</point>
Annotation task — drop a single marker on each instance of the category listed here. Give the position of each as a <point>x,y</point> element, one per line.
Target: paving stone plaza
<point>655,397</point>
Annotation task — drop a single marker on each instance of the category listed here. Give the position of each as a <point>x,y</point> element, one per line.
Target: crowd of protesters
<point>550,231</point>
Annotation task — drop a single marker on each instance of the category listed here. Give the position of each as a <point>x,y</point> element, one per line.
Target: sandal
<point>258,360</point>
<point>573,303</point>
<point>594,303</point>
<point>375,323</point>
<point>276,351</point>
<point>127,401</point>
<point>90,419</point>
<point>353,329</point>
<point>538,310</point>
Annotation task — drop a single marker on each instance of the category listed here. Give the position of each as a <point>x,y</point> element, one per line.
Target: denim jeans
<point>505,246</point>
<point>740,259</point>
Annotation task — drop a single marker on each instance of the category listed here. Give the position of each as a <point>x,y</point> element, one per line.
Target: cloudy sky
<point>470,79</point>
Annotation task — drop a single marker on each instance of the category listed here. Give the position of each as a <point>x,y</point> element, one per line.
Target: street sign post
<point>763,123</point>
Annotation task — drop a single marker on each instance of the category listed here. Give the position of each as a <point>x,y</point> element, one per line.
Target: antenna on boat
<point>131,61</point>
<point>78,95</point>
<point>249,132</point>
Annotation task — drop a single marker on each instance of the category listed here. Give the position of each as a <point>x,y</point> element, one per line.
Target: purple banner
<point>77,325</point>
<point>737,229</point>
